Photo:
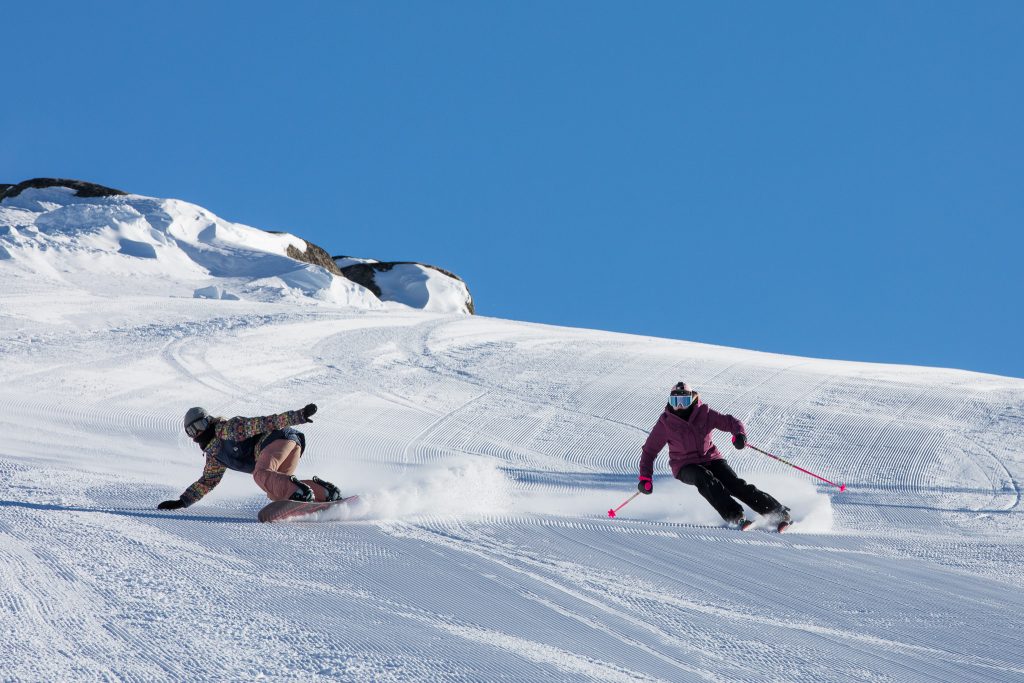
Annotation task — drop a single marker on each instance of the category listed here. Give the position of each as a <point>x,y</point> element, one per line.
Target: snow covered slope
<point>167,247</point>
<point>486,453</point>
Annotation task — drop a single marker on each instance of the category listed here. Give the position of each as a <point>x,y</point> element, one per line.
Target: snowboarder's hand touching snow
<point>309,410</point>
<point>739,441</point>
<point>171,505</point>
<point>645,485</point>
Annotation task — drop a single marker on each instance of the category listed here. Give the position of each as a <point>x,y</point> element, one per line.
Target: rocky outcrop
<point>81,188</point>
<point>362,273</point>
<point>316,256</point>
<point>313,254</point>
<point>365,275</point>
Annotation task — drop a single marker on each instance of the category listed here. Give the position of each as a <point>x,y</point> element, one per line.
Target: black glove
<point>645,485</point>
<point>739,441</point>
<point>308,411</point>
<point>171,504</point>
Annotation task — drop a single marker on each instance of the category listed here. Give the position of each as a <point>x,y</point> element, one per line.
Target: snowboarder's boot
<point>333,493</point>
<point>304,494</point>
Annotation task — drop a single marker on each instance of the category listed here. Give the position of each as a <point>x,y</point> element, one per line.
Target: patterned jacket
<point>237,429</point>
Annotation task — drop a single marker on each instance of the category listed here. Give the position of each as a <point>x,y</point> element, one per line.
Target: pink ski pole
<point>841,487</point>
<point>611,513</point>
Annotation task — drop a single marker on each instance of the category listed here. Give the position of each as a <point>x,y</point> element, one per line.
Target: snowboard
<point>281,510</point>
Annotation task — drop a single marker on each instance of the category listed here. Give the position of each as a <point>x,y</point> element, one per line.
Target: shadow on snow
<point>125,512</point>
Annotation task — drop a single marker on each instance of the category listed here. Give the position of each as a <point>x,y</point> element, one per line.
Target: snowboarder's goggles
<point>198,427</point>
<point>684,401</point>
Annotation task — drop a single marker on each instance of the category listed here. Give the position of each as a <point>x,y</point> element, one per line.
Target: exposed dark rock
<point>81,188</point>
<point>316,256</point>
<point>363,274</point>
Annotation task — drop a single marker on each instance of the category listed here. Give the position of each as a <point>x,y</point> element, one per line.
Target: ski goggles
<point>684,401</point>
<point>198,427</point>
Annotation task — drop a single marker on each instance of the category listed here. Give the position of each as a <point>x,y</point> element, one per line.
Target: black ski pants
<point>718,483</point>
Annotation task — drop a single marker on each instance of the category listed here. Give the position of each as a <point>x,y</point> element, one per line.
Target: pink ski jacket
<point>689,441</point>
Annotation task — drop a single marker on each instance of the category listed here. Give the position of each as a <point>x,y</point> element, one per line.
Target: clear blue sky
<point>840,180</point>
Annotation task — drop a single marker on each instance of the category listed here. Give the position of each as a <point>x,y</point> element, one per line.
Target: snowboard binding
<point>333,493</point>
<point>303,493</point>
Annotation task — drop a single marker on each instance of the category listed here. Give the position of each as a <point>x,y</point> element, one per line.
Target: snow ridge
<point>170,247</point>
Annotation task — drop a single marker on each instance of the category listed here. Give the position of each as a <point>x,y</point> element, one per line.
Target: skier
<point>268,447</point>
<point>686,426</point>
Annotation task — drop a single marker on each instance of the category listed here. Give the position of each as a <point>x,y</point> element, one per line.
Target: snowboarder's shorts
<point>277,462</point>
<point>288,433</point>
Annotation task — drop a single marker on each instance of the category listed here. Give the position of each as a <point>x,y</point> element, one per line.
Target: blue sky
<point>839,180</point>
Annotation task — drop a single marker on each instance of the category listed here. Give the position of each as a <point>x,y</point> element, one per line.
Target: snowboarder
<point>686,426</point>
<point>267,447</point>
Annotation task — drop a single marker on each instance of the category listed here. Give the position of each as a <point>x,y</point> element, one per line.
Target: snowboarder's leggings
<point>717,482</point>
<point>277,461</point>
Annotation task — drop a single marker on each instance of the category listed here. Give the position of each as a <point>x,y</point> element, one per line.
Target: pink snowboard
<point>281,510</point>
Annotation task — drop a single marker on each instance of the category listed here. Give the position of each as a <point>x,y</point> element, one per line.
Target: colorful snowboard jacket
<point>689,441</point>
<point>235,446</point>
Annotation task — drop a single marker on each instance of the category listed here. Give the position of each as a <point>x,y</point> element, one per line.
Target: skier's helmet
<point>682,388</point>
<point>196,422</point>
<point>682,396</point>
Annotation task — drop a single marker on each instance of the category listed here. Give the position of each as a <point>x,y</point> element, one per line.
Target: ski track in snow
<point>485,453</point>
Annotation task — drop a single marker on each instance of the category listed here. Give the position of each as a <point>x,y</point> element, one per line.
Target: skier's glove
<point>739,441</point>
<point>645,485</point>
<point>171,504</point>
<point>308,411</point>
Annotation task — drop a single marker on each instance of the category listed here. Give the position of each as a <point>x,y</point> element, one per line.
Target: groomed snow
<point>486,454</point>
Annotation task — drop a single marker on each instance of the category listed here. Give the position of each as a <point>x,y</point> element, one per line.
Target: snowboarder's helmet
<point>196,422</point>
<point>681,396</point>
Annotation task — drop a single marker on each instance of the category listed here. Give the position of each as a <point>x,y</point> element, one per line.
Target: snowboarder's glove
<point>308,411</point>
<point>739,441</point>
<point>645,485</point>
<point>171,504</point>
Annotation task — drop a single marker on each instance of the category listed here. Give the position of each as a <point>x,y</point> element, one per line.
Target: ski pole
<point>842,487</point>
<point>611,513</point>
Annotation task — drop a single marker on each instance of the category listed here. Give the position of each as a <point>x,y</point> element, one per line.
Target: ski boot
<point>333,493</point>
<point>303,494</point>
<point>743,523</point>
<point>782,518</point>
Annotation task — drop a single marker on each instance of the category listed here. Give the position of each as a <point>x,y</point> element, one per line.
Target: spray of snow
<point>458,488</point>
<point>680,504</point>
